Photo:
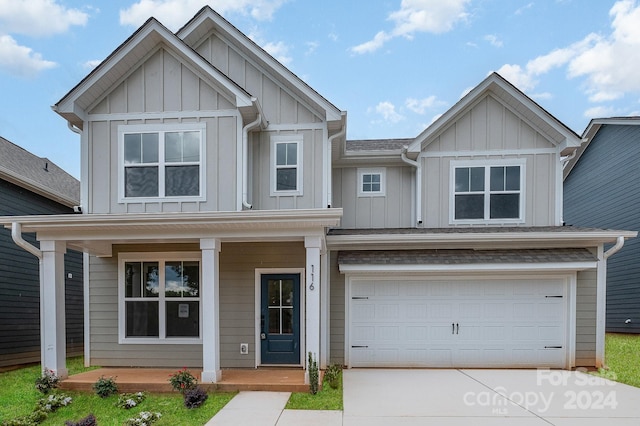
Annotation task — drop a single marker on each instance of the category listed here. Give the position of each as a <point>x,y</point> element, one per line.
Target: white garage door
<point>457,323</point>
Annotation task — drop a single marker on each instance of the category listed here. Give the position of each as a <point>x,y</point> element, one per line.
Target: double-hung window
<point>371,182</point>
<point>286,167</point>
<point>487,192</point>
<point>161,161</point>
<point>159,298</point>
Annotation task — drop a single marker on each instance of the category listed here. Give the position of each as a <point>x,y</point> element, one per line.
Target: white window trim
<point>372,171</point>
<point>487,163</point>
<point>275,140</point>
<point>155,257</point>
<point>161,128</point>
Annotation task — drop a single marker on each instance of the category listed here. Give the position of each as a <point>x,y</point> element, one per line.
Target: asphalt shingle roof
<point>377,144</point>
<point>33,172</point>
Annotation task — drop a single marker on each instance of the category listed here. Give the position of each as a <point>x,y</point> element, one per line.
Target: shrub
<point>33,419</point>
<point>195,397</point>
<point>313,375</point>
<point>105,387</point>
<point>53,402</point>
<point>332,375</point>
<point>182,380</point>
<point>145,418</point>
<point>90,420</point>
<point>130,400</point>
<point>47,381</point>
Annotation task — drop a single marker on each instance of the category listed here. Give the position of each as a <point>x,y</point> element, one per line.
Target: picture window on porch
<point>488,193</point>
<point>160,299</point>
<point>162,161</point>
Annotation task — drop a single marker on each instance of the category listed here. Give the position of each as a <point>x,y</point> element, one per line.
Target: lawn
<point>622,357</point>
<point>19,396</point>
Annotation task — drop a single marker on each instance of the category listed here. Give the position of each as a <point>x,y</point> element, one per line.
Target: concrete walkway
<point>267,409</point>
<point>452,398</point>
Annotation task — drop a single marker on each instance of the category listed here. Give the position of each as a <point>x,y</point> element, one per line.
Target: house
<point>602,189</point>
<point>30,185</point>
<point>231,225</point>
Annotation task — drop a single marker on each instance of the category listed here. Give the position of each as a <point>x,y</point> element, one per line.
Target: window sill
<point>156,341</point>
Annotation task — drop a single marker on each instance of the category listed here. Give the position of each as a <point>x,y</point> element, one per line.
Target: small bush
<point>130,400</point>
<point>47,382</point>
<point>195,397</point>
<point>90,420</point>
<point>105,386</point>
<point>332,375</point>
<point>145,418</point>
<point>33,419</point>
<point>53,402</point>
<point>182,380</point>
<point>313,375</point>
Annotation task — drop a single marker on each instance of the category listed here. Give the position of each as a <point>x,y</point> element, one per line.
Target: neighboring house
<point>30,185</point>
<point>602,189</point>
<point>232,226</point>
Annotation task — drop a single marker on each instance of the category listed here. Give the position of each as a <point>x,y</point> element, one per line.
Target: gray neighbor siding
<point>603,191</point>
<point>20,289</point>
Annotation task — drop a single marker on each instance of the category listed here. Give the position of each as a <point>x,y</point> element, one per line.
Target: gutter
<point>329,161</point>
<point>16,234</point>
<point>245,159</point>
<point>418,195</point>
<point>616,248</point>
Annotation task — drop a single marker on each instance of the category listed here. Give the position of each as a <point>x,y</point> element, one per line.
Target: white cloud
<point>421,106</point>
<point>311,47</point>
<point>609,63</point>
<point>523,8</point>
<point>175,13</point>
<point>20,61</point>
<point>493,40</point>
<point>388,112</point>
<point>278,50</point>
<point>430,16</point>
<point>38,17</point>
<point>92,64</point>
<point>599,112</point>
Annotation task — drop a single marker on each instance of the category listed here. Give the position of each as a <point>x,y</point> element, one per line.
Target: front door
<point>280,319</point>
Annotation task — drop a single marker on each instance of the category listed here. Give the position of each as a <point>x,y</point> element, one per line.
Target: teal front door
<point>280,319</point>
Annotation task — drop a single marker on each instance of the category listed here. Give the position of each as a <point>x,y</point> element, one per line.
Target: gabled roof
<point>207,20</point>
<point>563,137</point>
<point>119,64</point>
<point>38,175</point>
<point>590,132</point>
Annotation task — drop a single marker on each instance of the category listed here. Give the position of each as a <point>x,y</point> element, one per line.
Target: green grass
<point>18,397</point>
<point>622,356</point>
<point>326,399</point>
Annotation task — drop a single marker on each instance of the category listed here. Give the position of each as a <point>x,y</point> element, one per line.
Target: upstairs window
<point>161,163</point>
<point>488,193</point>
<point>371,182</point>
<point>286,170</point>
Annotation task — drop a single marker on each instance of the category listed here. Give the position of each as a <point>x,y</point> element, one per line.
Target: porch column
<point>312,298</point>
<point>53,340</point>
<point>211,372</point>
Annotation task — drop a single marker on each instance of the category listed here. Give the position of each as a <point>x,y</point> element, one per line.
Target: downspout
<point>329,161</point>
<point>416,164</point>
<point>73,128</point>
<point>616,248</point>
<point>245,160</point>
<point>16,234</point>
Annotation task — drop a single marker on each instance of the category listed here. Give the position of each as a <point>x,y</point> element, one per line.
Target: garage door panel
<point>456,323</point>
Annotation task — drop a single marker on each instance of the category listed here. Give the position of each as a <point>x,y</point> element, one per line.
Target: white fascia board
<point>485,267</point>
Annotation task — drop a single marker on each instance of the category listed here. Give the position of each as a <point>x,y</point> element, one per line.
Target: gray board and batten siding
<point>20,288</point>
<point>603,191</point>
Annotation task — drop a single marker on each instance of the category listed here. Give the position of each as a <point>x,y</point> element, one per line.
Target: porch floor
<point>157,379</point>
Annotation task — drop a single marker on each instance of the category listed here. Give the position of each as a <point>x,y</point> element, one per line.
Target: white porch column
<point>211,372</point>
<point>53,340</point>
<point>312,299</point>
<point>601,307</point>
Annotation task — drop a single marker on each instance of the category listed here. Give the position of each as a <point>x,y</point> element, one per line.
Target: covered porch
<point>156,380</point>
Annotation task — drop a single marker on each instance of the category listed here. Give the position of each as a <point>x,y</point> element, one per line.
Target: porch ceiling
<point>96,233</point>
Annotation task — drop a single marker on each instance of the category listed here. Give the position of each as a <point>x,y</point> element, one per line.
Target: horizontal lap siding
<point>238,262</point>
<point>602,191</point>
<point>20,288</point>
<point>586,318</point>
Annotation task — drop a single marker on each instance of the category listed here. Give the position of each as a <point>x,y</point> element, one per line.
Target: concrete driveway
<point>486,397</point>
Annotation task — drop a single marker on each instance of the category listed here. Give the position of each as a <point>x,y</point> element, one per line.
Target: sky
<point>394,65</point>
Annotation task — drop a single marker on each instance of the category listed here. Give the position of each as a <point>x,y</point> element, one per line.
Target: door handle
<point>453,328</point>
<point>457,328</point>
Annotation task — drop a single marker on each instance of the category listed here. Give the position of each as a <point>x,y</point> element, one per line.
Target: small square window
<point>371,182</point>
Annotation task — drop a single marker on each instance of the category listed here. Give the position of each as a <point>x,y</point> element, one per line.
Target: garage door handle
<point>359,346</point>
<point>455,328</point>
<point>553,347</point>
<point>553,297</point>
<point>359,298</point>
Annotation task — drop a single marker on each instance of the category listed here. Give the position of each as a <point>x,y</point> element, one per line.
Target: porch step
<point>156,380</point>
